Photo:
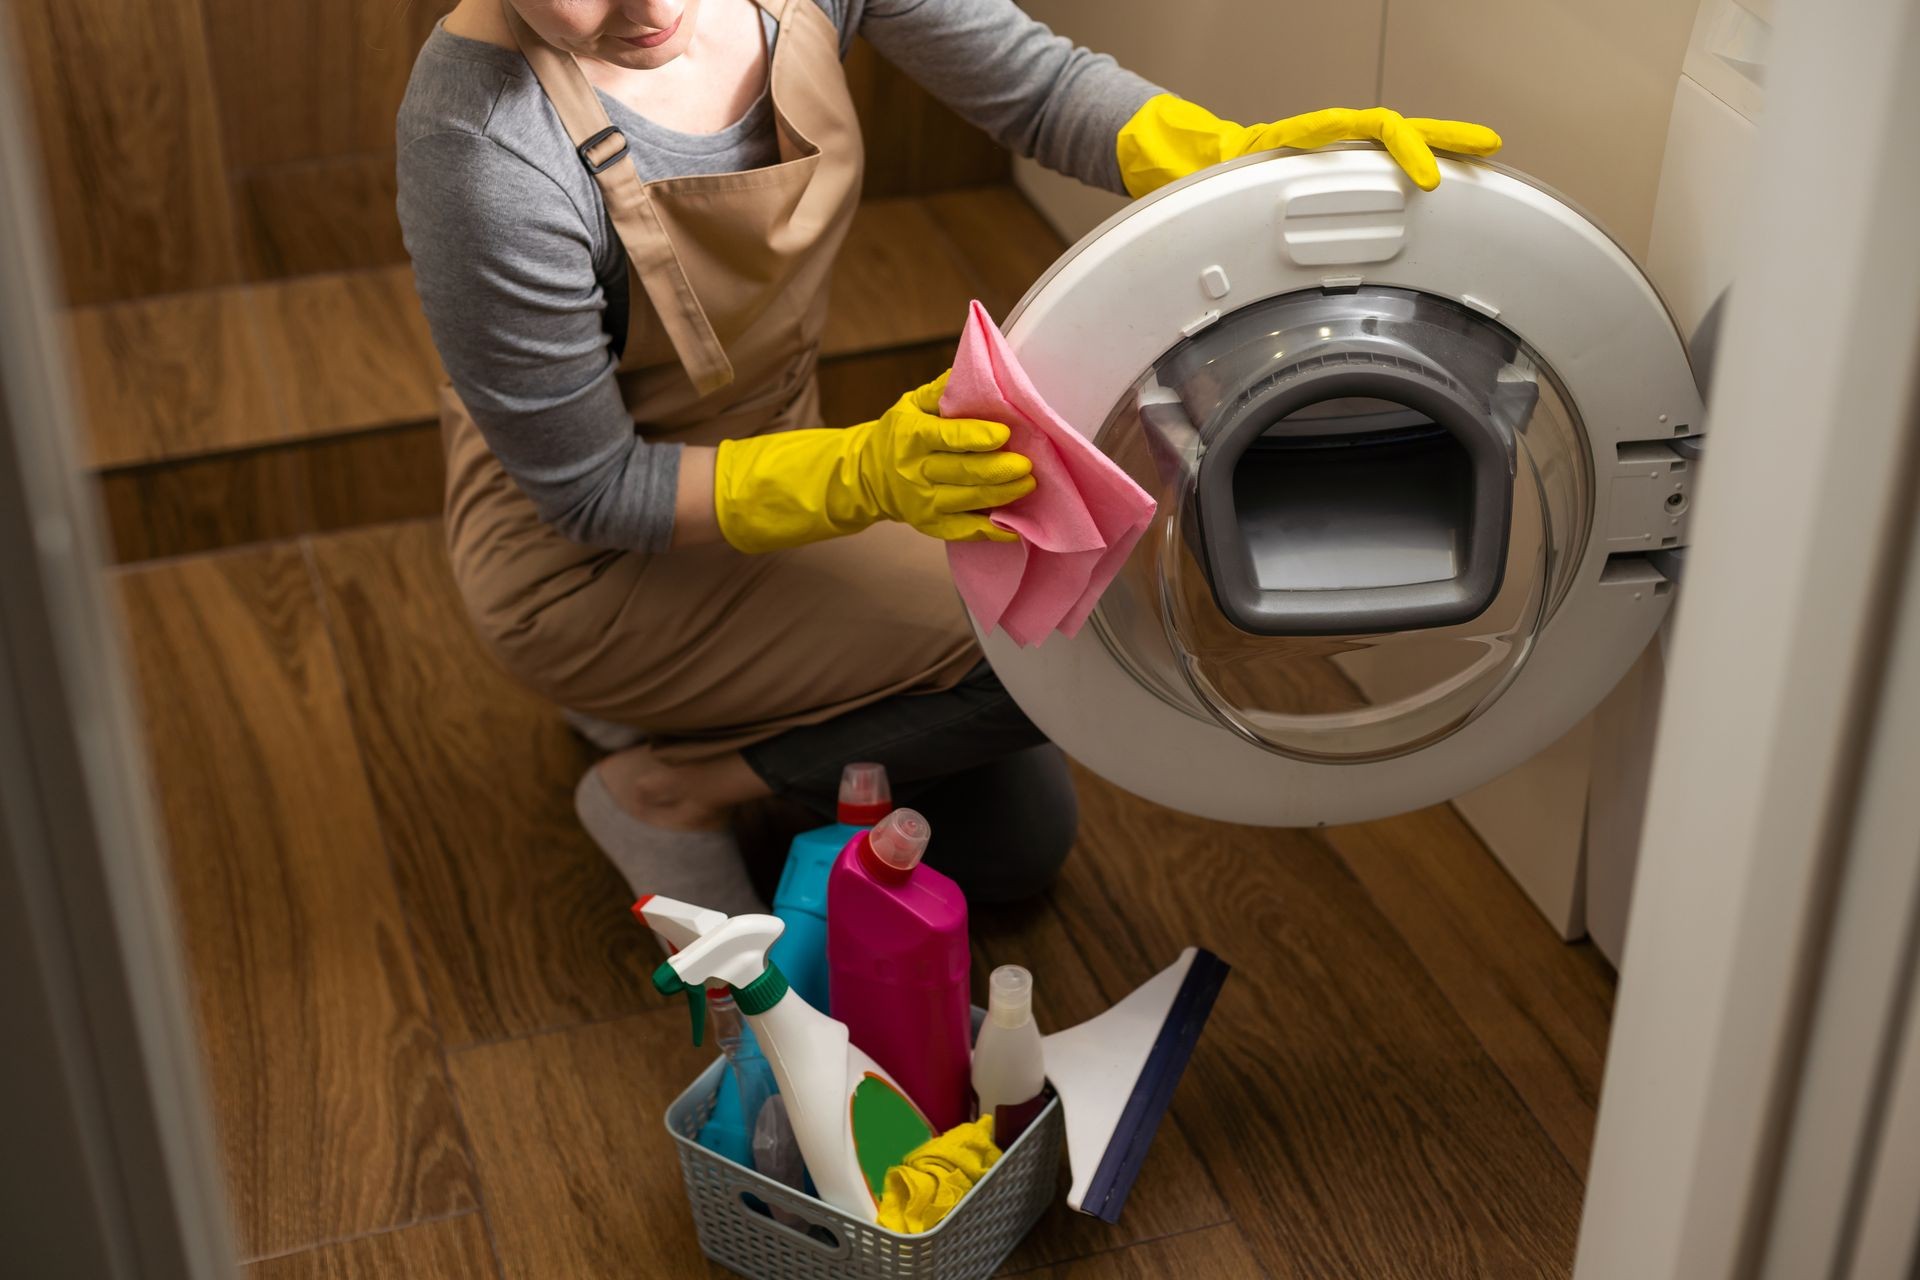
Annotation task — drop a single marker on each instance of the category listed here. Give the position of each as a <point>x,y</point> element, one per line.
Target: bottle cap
<point>897,843</point>
<point>1009,995</point>
<point>865,796</point>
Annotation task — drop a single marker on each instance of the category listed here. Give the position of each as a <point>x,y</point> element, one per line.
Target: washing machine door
<point>1414,465</point>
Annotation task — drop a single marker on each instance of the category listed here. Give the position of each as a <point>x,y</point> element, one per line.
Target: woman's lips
<point>652,41</point>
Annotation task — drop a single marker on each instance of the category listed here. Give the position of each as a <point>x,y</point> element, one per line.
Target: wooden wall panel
<point>302,81</point>
<point>205,504</point>
<point>915,146</point>
<point>334,214</point>
<point>130,145</point>
<point>187,144</point>
<point>374,477</point>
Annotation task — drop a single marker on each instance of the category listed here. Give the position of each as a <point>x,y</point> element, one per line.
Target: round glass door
<point>1370,503</point>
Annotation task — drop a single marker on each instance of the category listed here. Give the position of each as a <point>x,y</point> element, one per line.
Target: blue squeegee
<point>1115,1076</point>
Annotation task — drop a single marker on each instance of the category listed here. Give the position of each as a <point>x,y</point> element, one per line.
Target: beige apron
<point>705,648</point>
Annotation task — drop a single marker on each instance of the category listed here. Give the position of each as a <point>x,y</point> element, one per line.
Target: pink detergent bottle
<point>898,967</point>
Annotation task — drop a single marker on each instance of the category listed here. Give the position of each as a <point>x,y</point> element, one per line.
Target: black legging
<point>996,792</point>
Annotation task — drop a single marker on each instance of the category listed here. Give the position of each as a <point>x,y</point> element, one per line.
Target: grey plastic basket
<point>969,1243</point>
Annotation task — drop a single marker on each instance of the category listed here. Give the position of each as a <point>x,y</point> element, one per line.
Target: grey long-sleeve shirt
<point>524,280</point>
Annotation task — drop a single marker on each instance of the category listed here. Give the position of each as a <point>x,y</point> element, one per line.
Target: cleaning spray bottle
<point>801,898</point>
<point>731,1128</point>
<point>898,964</point>
<point>730,1131</point>
<point>1009,1070</point>
<point>852,1121</point>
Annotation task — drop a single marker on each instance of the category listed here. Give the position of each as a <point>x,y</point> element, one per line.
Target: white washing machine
<point>1425,463</point>
<point>1420,459</point>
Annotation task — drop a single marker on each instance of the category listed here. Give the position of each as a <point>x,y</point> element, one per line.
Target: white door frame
<point>1757,1041</point>
<point>107,1166</point>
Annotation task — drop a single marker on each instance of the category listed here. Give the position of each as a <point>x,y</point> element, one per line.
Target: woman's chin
<point>620,54</point>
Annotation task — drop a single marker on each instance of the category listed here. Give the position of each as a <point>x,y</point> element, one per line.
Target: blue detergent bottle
<point>801,900</point>
<point>748,1084</point>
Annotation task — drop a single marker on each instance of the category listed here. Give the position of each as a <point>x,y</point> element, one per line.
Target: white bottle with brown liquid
<point>1009,1074</point>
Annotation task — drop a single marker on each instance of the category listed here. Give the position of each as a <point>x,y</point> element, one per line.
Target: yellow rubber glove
<point>929,1183</point>
<point>1169,138</point>
<point>911,465</point>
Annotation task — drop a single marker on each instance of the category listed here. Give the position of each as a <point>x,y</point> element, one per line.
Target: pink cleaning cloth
<point>1077,526</point>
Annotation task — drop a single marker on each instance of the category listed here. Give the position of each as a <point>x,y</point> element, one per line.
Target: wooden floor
<point>435,1054</point>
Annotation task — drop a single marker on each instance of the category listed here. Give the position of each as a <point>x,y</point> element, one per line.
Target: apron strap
<point>603,149</point>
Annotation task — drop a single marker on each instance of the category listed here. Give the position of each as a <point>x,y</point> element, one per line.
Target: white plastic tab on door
<point>1353,218</point>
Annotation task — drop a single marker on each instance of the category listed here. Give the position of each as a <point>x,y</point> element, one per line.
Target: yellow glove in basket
<point>936,474</point>
<point>1169,138</point>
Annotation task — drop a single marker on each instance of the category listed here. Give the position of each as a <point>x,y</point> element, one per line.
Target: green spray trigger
<point>668,983</point>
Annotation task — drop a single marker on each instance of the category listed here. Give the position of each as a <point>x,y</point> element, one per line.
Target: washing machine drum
<point>1413,454</point>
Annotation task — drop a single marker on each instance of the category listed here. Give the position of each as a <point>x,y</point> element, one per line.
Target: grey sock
<point>699,867</point>
<point>604,734</point>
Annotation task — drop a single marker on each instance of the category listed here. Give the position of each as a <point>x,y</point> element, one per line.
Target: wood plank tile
<point>521,923</point>
<point>449,1249</point>
<point>1216,1253</point>
<point>898,282</point>
<point>1175,1192</point>
<point>372,477</point>
<point>859,388</point>
<point>170,377</point>
<point>334,1116</point>
<point>1351,1121</point>
<point>349,351</point>
<point>312,216</point>
<point>321,80</point>
<point>1003,242</point>
<point>915,144</point>
<point>204,504</point>
<point>1540,1006</point>
<point>580,1177</point>
<point>130,145</point>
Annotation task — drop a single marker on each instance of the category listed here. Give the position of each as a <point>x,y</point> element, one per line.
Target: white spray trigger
<point>677,924</point>
<point>734,952</point>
